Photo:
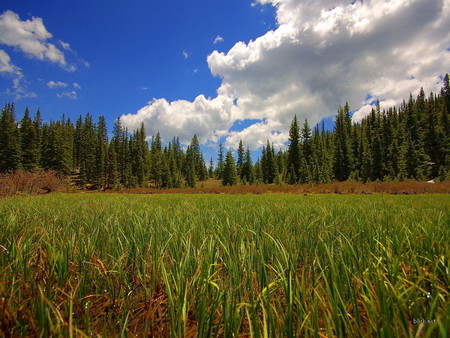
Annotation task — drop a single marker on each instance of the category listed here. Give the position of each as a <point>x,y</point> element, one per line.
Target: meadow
<point>225,265</point>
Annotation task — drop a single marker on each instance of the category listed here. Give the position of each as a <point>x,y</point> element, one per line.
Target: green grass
<point>224,265</point>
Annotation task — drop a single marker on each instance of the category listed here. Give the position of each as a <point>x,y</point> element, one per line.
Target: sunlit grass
<point>222,265</point>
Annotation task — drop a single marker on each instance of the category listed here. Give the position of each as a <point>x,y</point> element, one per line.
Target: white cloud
<point>69,94</point>
<point>322,54</point>
<point>56,84</point>
<point>30,36</point>
<point>205,117</point>
<point>256,136</point>
<point>185,54</point>
<point>76,85</point>
<point>218,39</point>
<point>6,66</point>
<point>65,45</point>
<point>7,69</point>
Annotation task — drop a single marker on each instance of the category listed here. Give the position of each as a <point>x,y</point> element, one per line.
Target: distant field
<point>225,265</point>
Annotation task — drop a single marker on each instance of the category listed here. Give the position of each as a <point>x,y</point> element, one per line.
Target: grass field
<point>222,265</point>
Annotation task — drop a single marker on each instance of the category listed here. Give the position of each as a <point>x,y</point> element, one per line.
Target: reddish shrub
<point>40,182</point>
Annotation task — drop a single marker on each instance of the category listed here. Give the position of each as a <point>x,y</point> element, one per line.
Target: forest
<point>411,141</point>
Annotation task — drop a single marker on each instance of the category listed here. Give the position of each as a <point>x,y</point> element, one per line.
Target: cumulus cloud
<point>218,39</point>
<point>56,84</point>
<point>30,36</point>
<point>322,54</point>
<point>256,136</point>
<point>206,117</point>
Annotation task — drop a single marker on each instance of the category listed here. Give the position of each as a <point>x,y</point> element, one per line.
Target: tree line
<point>408,142</point>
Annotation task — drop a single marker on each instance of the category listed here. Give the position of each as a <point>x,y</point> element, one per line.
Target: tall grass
<point>222,265</point>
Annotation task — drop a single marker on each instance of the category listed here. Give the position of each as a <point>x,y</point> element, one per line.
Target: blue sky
<point>223,69</point>
<point>134,50</point>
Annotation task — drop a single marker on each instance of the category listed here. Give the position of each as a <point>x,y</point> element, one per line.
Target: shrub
<point>40,182</point>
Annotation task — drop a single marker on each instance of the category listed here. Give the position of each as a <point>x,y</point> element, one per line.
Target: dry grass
<point>214,187</point>
<point>22,182</point>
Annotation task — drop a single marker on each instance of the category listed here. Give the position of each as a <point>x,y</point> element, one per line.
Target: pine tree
<point>77,143</point>
<point>247,168</point>
<point>10,145</point>
<point>166,178</point>
<point>269,164</point>
<point>220,162</point>
<point>211,168</point>
<point>101,149</point>
<point>306,138</point>
<point>87,151</point>
<point>190,174</point>
<point>240,159</point>
<point>343,162</point>
<point>196,158</point>
<point>229,170</point>
<point>294,151</point>
<point>112,171</point>
<point>29,143</point>
<point>156,160</point>
<point>417,160</point>
<point>281,162</point>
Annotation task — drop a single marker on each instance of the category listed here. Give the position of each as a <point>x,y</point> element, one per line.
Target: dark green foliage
<point>220,162</point>
<point>10,145</point>
<point>229,170</point>
<point>101,152</point>
<point>258,173</point>
<point>194,158</point>
<point>269,164</point>
<point>211,168</point>
<point>343,158</point>
<point>87,151</point>
<point>294,152</point>
<point>240,159</point>
<point>247,168</point>
<point>29,143</point>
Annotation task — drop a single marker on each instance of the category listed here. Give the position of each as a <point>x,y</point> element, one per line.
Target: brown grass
<point>22,182</point>
<point>214,187</point>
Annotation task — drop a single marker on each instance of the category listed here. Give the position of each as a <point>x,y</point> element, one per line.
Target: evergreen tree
<point>166,179</point>
<point>101,150</point>
<point>196,159</point>
<point>10,145</point>
<point>229,170</point>
<point>87,151</point>
<point>211,168</point>
<point>220,162</point>
<point>269,164</point>
<point>156,160</point>
<point>307,143</point>
<point>240,159</point>
<point>29,143</point>
<point>112,171</point>
<point>281,162</point>
<point>247,168</point>
<point>294,152</point>
<point>343,161</point>
<point>77,142</point>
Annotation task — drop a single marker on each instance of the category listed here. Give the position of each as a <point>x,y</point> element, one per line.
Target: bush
<point>40,182</point>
